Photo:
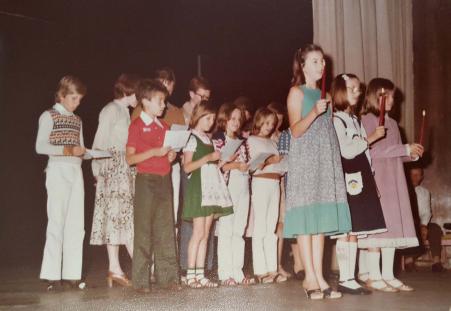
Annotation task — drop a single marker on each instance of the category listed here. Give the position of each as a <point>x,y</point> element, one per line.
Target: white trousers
<point>231,230</point>
<point>63,249</point>
<point>175,176</point>
<point>265,203</point>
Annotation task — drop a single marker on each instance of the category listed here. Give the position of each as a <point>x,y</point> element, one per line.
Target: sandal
<point>329,293</point>
<point>207,283</point>
<point>193,283</point>
<point>280,278</point>
<point>229,282</point>
<point>314,294</point>
<point>247,281</point>
<point>386,288</point>
<point>397,284</point>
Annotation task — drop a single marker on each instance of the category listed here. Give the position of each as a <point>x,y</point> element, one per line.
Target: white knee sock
<point>373,260</point>
<point>388,258</point>
<point>363,267</point>
<point>342,249</point>
<point>352,247</point>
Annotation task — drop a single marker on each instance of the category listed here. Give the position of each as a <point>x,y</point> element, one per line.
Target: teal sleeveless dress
<point>316,201</point>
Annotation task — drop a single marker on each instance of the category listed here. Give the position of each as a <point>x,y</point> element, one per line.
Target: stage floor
<point>20,289</point>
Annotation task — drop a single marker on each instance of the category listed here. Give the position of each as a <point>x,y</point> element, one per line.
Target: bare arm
<point>189,165</point>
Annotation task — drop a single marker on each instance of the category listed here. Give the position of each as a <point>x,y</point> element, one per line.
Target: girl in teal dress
<point>206,195</point>
<point>316,203</point>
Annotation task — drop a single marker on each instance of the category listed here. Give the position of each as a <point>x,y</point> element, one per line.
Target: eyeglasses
<point>354,89</point>
<point>203,96</point>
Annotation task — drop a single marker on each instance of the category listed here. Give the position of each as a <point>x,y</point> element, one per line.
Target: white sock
<point>200,273</point>
<point>363,267</point>
<point>388,257</point>
<point>342,249</point>
<point>352,248</point>
<point>373,260</point>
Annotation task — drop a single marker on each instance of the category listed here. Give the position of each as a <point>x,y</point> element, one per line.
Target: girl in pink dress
<point>388,155</point>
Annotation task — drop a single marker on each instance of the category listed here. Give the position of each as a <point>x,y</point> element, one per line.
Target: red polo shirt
<point>143,137</point>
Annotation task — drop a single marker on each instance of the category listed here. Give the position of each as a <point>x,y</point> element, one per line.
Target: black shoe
<point>300,275</point>
<point>437,267</point>
<point>357,291</point>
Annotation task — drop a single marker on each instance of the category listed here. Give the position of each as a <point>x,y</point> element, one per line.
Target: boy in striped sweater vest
<point>60,137</point>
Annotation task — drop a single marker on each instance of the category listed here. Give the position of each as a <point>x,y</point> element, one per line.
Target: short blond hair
<point>69,85</point>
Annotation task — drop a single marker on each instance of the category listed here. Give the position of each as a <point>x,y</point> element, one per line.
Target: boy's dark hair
<point>197,83</point>
<point>165,73</point>
<point>147,88</point>
<point>125,85</point>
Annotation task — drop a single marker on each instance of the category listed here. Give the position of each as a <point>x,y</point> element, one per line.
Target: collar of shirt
<point>60,108</point>
<point>148,119</point>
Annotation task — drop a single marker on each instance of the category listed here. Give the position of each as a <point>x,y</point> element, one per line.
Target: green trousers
<point>154,231</point>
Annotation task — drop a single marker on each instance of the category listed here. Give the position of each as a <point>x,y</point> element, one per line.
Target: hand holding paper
<point>255,162</point>
<point>229,149</point>
<point>176,139</point>
<point>96,154</point>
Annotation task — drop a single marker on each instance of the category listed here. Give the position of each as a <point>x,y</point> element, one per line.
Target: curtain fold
<point>370,38</point>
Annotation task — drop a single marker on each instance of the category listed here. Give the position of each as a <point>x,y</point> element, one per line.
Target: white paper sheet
<point>257,160</point>
<point>230,148</point>
<point>96,154</point>
<point>176,139</point>
<point>179,127</point>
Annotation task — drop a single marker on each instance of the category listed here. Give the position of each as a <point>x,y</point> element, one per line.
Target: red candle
<point>423,121</point>
<point>323,83</point>
<point>382,108</point>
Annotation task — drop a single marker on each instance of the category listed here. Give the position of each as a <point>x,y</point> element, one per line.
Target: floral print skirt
<point>113,209</point>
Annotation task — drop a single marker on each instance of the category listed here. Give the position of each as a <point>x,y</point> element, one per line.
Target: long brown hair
<point>205,107</point>
<point>260,117</point>
<point>339,92</point>
<point>373,91</point>
<point>299,61</point>
<point>224,114</point>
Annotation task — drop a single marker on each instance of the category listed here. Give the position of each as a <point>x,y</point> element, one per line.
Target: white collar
<point>61,109</point>
<point>148,119</point>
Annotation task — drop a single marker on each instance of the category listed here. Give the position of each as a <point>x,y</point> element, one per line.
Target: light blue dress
<point>316,192</point>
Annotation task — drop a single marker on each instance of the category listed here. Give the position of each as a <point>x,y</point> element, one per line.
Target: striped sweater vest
<point>66,129</point>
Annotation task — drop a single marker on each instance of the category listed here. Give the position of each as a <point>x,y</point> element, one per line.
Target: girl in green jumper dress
<point>206,195</point>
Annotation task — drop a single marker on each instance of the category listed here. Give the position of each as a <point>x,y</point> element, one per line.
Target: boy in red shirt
<point>153,216</point>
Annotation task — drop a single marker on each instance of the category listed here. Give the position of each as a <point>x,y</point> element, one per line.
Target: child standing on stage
<point>316,194</point>
<point>231,228</point>
<point>206,196</point>
<point>112,223</point>
<point>365,208</point>
<point>265,197</point>
<point>60,136</point>
<point>276,137</point>
<point>153,214</point>
<point>387,156</point>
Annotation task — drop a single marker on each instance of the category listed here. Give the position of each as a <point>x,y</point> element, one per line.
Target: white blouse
<point>259,145</point>
<point>112,132</point>
<point>352,138</point>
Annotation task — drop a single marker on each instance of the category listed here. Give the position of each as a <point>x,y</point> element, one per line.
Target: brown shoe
<point>120,279</point>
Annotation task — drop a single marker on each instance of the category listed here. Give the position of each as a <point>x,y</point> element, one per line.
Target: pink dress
<point>388,155</point>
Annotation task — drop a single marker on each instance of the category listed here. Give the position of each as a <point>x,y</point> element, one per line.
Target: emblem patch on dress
<point>354,184</point>
<point>146,129</point>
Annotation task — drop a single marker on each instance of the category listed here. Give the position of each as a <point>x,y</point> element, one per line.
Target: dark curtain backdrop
<point>432,80</point>
<point>246,48</point>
